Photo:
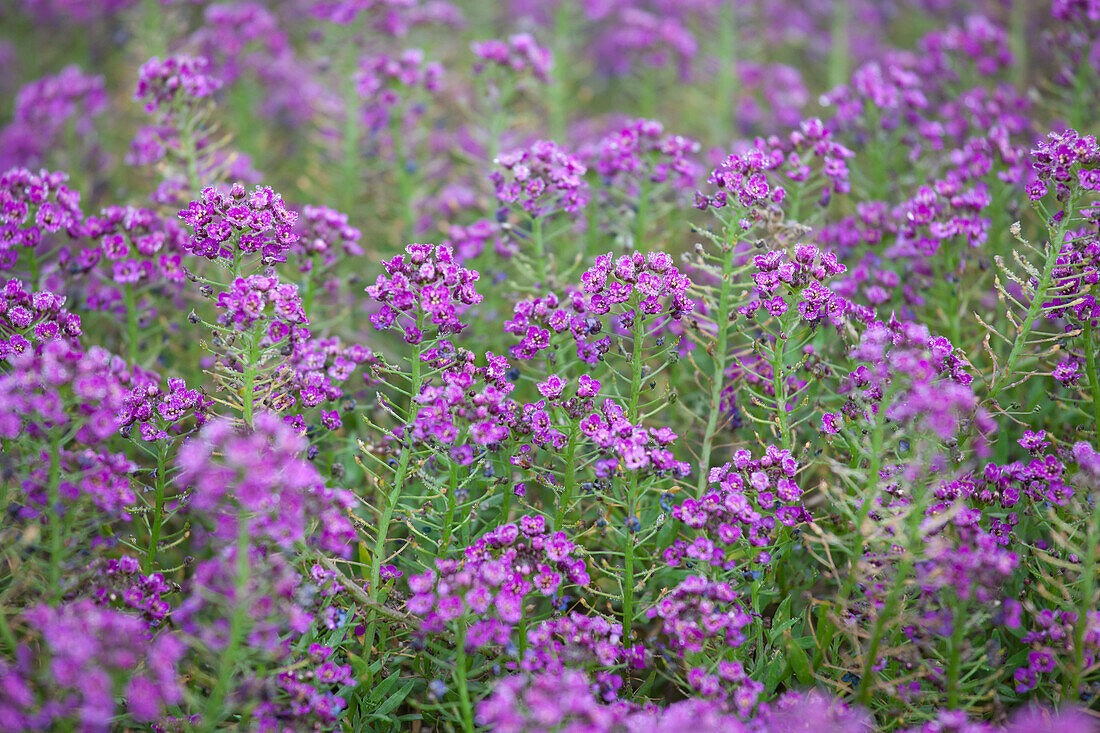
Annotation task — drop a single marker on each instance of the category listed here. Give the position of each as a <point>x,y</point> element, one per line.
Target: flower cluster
<point>261,477</point>
<point>742,179</point>
<point>45,108</point>
<point>119,583</point>
<point>493,579</point>
<point>261,298</point>
<point>140,246</point>
<point>803,275</point>
<point>924,383</point>
<point>1044,478</point>
<point>749,498</point>
<point>973,565</point>
<point>228,226</point>
<point>470,408</point>
<point>325,234</point>
<point>98,477</point>
<point>176,83</point>
<point>697,611</point>
<point>39,316</point>
<point>423,287</point>
<point>579,641</point>
<point>160,415</point>
<point>382,78</point>
<point>303,695</point>
<point>31,206</point>
<point>541,179</point>
<point>1065,162</point>
<point>642,151</point>
<point>88,657</point>
<point>1051,641</point>
<point>633,447</point>
<point>1074,277</point>
<point>520,53</point>
<point>314,374</point>
<point>59,384</point>
<point>643,286</point>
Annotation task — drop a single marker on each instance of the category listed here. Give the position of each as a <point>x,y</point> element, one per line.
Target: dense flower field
<point>550,365</point>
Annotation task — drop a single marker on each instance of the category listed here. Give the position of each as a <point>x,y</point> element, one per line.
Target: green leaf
<point>799,660</point>
<point>395,699</point>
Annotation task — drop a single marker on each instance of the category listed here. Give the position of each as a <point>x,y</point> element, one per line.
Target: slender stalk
<point>248,391</point>
<point>6,632</point>
<point>158,508</point>
<point>722,119</point>
<point>838,49</point>
<point>212,712</point>
<point>639,332</point>
<point>778,362</point>
<point>721,359</point>
<point>392,498</point>
<point>1094,381</point>
<point>954,652</point>
<point>558,85</point>
<point>887,613</point>
<point>541,255</point>
<point>1086,603</point>
<point>877,438</point>
<point>404,177</point>
<point>1036,306</point>
<point>641,213</point>
<point>190,155</point>
<point>452,489</point>
<point>131,323</point>
<point>57,530</point>
<point>349,171</point>
<point>1018,39</point>
<point>461,663</point>
<point>570,489</point>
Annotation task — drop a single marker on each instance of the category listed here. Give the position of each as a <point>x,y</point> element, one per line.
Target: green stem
<point>869,494</point>
<point>57,530</point>
<point>36,270</point>
<point>1018,38</point>
<point>212,712</point>
<point>131,324</point>
<point>452,490</point>
<point>639,332</point>
<point>722,118</point>
<point>558,85</point>
<point>887,613</point>
<point>838,50</point>
<point>6,633</point>
<point>405,182</point>
<point>778,362</point>
<point>1094,381</point>
<point>954,654</point>
<point>565,501</point>
<point>1036,306</point>
<point>248,390</point>
<point>720,357</point>
<point>158,509</point>
<point>461,663</point>
<point>541,255</point>
<point>1086,604</point>
<point>641,213</point>
<point>309,287</point>
<point>190,156</point>
<point>350,137</point>
<point>393,497</point>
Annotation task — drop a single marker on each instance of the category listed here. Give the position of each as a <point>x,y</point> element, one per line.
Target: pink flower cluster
<point>494,578</point>
<point>229,225</point>
<point>423,287</point>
